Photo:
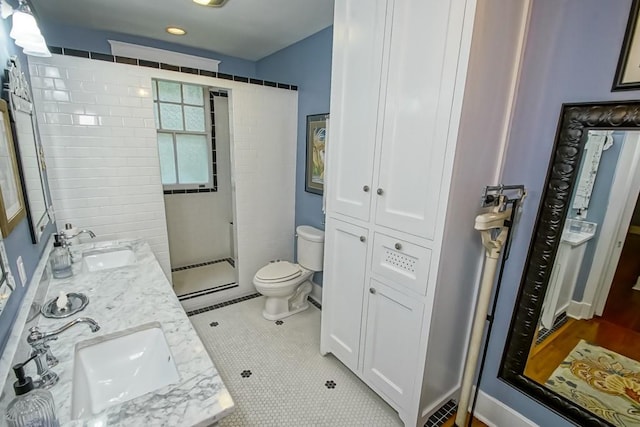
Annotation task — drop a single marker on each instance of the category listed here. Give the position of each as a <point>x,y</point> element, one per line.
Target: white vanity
<point>566,267</point>
<point>170,380</point>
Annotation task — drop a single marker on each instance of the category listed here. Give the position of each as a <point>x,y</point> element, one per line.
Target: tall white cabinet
<point>420,105</point>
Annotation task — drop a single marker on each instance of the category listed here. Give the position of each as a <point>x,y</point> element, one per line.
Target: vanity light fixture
<point>176,31</point>
<point>24,29</point>
<point>211,3</point>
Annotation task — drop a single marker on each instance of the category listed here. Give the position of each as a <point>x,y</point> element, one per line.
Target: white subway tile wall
<point>96,122</point>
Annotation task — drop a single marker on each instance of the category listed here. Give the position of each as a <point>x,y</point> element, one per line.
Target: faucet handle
<point>36,338</point>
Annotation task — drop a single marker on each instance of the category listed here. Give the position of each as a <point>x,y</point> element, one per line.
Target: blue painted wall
<point>18,243</point>
<point>571,55</point>
<point>65,35</point>
<point>597,207</point>
<point>306,64</point>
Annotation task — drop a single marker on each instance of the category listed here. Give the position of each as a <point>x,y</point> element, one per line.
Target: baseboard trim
<point>579,310</point>
<point>494,413</point>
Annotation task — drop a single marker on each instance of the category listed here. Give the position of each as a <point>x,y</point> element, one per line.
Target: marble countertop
<point>121,299</point>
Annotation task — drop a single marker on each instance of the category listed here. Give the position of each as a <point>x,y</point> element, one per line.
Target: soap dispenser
<point>31,407</point>
<point>60,260</point>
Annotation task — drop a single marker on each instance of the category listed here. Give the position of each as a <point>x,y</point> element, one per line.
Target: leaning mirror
<point>32,164</point>
<point>574,342</point>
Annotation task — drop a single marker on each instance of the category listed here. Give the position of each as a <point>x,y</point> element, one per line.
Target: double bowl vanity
<point>143,364</point>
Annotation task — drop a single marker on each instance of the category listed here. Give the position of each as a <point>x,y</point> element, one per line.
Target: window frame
<point>173,133</point>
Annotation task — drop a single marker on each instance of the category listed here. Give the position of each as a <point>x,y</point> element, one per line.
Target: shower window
<point>182,114</point>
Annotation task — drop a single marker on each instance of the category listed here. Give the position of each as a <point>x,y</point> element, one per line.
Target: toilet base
<point>276,308</point>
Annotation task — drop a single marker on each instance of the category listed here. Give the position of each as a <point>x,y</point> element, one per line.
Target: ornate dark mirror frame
<point>575,121</point>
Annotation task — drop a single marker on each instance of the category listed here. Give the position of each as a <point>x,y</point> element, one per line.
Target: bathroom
<point>273,207</point>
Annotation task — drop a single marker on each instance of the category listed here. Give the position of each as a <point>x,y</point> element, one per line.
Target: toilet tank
<point>310,247</point>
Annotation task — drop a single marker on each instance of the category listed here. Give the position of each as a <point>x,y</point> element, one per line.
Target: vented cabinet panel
<point>402,262</point>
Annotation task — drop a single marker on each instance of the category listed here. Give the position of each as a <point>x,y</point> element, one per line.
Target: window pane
<point>169,91</point>
<point>167,160</point>
<point>171,117</point>
<point>155,115</point>
<point>194,118</point>
<point>192,94</point>
<point>193,159</point>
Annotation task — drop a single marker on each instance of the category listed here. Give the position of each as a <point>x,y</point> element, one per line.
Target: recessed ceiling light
<point>176,31</point>
<point>211,3</point>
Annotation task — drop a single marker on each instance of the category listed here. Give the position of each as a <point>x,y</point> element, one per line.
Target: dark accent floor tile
<point>330,384</point>
<point>279,322</point>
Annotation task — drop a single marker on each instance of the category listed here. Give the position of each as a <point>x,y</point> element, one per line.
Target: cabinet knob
<point>372,290</point>
<point>365,188</point>
<point>363,239</point>
<point>398,246</point>
<point>379,191</point>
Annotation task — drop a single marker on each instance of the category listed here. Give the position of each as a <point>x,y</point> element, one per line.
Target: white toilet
<point>287,285</point>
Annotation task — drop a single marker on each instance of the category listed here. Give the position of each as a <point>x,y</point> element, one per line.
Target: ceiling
<point>248,29</point>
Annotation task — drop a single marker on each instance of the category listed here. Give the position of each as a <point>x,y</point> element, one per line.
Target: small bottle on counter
<point>60,260</point>
<point>31,407</point>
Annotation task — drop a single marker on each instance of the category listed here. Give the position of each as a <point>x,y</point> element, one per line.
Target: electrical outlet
<point>21,272</point>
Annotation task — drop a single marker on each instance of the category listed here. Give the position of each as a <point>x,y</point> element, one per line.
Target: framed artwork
<point>12,208</point>
<point>316,145</point>
<point>628,71</point>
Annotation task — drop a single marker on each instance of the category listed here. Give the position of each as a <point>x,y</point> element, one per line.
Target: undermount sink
<point>103,259</point>
<point>116,368</point>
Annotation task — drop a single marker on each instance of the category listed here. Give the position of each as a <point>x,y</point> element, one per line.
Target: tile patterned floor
<point>276,375</point>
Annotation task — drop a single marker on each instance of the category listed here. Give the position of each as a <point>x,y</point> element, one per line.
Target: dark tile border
<point>315,303</point>
<point>194,190</point>
<point>443,414</point>
<point>209,291</point>
<point>222,304</point>
<point>202,264</point>
<point>171,67</point>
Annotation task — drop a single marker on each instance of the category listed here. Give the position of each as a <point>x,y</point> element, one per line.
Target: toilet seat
<point>278,271</point>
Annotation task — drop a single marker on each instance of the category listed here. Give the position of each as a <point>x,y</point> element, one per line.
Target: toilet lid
<point>279,271</point>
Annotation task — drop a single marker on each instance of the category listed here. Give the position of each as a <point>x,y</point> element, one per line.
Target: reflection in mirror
<point>593,357</point>
<point>30,151</point>
<point>7,284</point>
<point>575,339</point>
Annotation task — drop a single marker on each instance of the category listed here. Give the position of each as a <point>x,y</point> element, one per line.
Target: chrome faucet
<point>38,341</point>
<point>66,238</point>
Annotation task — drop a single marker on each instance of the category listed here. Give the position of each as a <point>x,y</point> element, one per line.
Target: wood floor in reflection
<point>623,302</point>
<point>546,357</point>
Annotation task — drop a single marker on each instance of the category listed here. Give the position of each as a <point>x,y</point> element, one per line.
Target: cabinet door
<point>423,58</point>
<point>358,33</point>
<point>394,323</point>
<point>343,289</point>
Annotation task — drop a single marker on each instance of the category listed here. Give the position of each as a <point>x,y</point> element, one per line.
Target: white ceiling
<point>249,29</point>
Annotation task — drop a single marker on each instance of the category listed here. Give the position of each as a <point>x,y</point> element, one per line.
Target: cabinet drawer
<point>402,262</point>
